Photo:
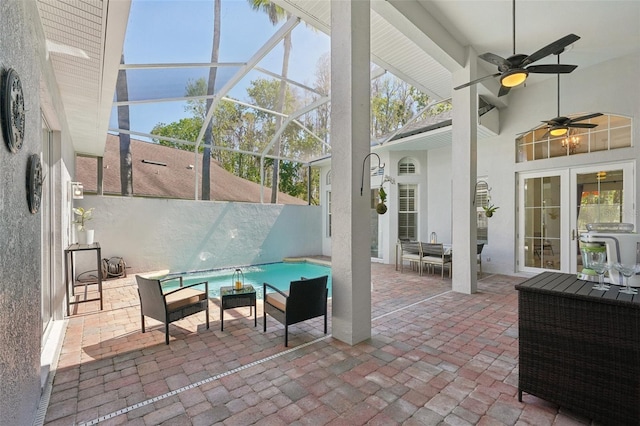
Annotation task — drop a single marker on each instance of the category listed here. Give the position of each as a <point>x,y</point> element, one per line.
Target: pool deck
<point>435,357</point>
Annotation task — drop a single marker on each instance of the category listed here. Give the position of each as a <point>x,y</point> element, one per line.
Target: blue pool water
<point>277,274</point>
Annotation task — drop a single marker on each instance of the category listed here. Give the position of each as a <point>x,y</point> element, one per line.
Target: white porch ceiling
<point>420,41</point>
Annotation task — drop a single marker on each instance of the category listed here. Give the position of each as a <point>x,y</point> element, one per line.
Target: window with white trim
<point>482,201</point>
<point>407,212</point>
<point>406,166</point>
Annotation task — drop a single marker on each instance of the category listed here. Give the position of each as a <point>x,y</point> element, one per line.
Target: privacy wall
<point>183,235</point>
<point>20,322</point>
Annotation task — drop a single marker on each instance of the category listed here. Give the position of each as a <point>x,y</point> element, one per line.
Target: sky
<point>181,31</point>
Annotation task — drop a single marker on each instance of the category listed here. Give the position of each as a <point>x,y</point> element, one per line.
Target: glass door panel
<point>601,195</point>
<point>542,210</point>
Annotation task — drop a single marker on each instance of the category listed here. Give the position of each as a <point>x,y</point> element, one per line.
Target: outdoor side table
<point>231,298</point>
<point>69,267</point>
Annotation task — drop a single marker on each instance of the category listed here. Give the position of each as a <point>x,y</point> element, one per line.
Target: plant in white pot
<point>85,236</point>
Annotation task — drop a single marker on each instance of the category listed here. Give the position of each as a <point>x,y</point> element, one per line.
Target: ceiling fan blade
<point>486,77</point>
<point>494,59</point>
<point>582,125</point>
<point>555,47</point>
<point>503,90</point>
<point>551,69</point>
<point>586,117</point>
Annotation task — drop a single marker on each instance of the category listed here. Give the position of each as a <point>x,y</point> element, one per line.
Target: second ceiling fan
<point>515,69</point>
<point>559,126</point>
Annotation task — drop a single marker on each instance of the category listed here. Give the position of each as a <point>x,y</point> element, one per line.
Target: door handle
<point>573,235</point>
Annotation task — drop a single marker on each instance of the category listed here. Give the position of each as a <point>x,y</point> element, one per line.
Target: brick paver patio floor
<point>435,357</point>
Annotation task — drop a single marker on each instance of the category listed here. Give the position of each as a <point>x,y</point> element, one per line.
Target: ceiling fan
<point>515,69</point>
<point>559,126</point>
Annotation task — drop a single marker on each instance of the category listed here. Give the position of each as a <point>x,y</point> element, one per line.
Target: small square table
<point>231,298</point>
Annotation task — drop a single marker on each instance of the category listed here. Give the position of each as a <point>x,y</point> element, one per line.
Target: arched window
<point>407,166</point>
<point>329,177</point>
<point>611,132</point>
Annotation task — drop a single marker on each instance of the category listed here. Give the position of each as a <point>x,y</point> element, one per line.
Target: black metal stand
<point>70,274</point>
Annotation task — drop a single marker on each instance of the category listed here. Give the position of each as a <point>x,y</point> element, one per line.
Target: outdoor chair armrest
<point>265,285</point>
<point>164,280</point>
<point>206,287</point>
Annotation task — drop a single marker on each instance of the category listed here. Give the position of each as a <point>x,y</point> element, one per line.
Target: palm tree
<point>277,14</point>
<point>126,168</point>
<point>208,135</point>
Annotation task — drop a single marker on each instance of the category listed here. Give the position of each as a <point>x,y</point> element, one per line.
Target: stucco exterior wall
<point>183,235</point>
<point>20,324</point>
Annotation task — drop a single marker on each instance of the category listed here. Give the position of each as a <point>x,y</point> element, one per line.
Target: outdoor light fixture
<point>514,77</point>
<point>77,190</point>
<point>558,130</point>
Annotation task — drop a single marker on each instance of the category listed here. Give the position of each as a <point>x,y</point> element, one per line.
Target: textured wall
<point>182,235</point>
<point>19,231</point>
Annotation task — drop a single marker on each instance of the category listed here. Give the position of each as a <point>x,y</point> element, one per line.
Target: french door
<point>555,207</point>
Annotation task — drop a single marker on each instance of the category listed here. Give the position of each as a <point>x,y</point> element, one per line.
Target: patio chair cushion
<point>184,297</point>
<point>277,300</point>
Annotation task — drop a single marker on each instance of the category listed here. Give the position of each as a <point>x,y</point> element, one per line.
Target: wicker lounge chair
<point>306,299</point>
<point>172,305</point>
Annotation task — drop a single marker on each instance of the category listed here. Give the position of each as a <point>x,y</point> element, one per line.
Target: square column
<point>465,156</point>
<point>350,144</point>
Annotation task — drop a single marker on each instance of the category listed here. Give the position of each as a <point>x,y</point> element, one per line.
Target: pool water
<point>279,275</point>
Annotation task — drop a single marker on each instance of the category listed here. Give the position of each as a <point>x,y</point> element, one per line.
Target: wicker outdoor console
<point>580,348</point>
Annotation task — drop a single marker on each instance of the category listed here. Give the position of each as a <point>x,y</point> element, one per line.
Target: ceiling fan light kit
<point>513,78</point>
<point>558,130</point>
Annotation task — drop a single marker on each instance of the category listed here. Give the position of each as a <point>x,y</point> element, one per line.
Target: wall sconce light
<point>77,190</point>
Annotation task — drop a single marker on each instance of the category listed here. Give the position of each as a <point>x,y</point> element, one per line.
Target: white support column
<point>350,141</point>
<point>464,156</point>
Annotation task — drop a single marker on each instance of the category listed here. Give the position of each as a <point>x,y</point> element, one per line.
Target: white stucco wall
<point>183,235</point>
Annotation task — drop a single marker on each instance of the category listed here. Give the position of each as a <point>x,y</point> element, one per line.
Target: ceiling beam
<point>413,20</point>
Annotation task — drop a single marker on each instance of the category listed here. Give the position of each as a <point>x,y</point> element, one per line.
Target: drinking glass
<point>597,261</point>
<point>627,271</point>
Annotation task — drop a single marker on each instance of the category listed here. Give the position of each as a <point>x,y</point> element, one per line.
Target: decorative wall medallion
<point>13,117</point>
<point>34,183</point>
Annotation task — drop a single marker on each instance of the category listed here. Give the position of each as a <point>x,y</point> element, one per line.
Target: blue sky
<point>168,31</point>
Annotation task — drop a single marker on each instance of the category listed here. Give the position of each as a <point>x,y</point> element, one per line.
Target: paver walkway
<point>435,358</point>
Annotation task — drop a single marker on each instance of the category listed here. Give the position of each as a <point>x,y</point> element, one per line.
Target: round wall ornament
<point>34,183</point>
<point>13,114</point>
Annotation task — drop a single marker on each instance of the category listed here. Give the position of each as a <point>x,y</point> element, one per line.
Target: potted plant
<point>85,236</point>
<point>489,209</point>
<point>381,207</point>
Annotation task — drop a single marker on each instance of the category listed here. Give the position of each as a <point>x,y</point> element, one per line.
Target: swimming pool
<point>279,275</point>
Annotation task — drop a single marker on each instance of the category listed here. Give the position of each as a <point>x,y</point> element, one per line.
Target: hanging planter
<point>381,207</point>
<point>489,210</point>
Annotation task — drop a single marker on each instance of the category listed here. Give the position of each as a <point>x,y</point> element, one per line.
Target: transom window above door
<point>611,132</point>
